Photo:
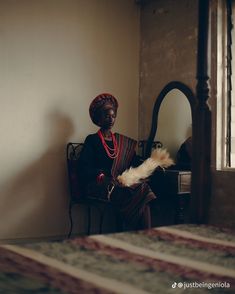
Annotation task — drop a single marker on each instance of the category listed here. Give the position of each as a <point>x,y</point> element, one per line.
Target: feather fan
<point>134,175</point>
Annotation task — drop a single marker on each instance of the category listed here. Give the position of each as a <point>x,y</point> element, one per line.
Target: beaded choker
<point>111,152</point>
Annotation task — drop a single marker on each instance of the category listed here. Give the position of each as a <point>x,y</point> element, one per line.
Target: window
<point>225,153</point>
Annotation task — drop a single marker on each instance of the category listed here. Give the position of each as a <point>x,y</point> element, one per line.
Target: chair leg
<point>102,212</point>
<point>119,222</point>
<point>88,219</point>
<point>70,220</point>
<point>102,215</point>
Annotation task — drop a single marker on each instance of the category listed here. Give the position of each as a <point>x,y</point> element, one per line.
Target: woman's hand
<point>120,183</point>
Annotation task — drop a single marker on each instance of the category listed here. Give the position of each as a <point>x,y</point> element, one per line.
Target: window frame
<point>224,83</point>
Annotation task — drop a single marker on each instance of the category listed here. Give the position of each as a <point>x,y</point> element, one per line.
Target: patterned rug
<point>174,259</point>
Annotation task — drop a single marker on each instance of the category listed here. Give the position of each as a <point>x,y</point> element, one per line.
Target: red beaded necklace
<point>111,152</point>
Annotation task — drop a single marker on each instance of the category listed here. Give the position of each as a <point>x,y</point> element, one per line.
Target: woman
<point>105,156</point>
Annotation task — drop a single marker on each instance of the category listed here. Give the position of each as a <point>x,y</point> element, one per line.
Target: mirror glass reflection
<point>174,121</point>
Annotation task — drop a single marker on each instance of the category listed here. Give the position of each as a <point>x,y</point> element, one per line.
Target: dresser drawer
<point>184,182</point>
<point>172,182</point>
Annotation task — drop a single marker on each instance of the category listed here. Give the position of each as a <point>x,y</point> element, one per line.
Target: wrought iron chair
<point>72,152</point>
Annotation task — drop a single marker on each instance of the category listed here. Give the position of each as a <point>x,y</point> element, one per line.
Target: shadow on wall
<point>35,202</point>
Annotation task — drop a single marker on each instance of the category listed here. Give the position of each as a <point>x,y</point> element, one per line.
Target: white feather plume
<point>131,176</point>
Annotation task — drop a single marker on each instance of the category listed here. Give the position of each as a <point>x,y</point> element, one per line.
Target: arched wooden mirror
<point>172,118</point>
<point>172,124</point>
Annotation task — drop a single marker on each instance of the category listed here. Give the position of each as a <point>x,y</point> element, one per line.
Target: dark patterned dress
<point>131,201</point>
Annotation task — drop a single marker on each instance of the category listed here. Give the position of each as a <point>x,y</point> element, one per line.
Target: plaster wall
<point>168,53</point>
<point>222,208</point>
<point>56,55</point>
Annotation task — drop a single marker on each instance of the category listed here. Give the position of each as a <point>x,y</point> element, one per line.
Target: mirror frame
<point>170,86</point>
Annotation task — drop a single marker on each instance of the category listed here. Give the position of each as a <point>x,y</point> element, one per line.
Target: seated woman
<point>105,156</point>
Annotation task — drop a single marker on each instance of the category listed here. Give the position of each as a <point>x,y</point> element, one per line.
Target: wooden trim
<point>201,173</point>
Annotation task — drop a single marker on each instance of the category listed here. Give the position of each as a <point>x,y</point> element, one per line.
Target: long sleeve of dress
<point>86,164</point>
<point>93,160</point>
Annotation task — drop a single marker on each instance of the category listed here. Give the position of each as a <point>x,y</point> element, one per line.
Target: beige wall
<point>168,52</point>
<point>55,56</point>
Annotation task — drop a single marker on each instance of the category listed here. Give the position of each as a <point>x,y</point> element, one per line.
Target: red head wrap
<point>99,102</point>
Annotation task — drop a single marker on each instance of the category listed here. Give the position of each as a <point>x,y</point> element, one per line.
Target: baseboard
<point>37,239</point>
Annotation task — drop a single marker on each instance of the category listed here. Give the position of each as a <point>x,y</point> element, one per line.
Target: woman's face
<point>107,118</point>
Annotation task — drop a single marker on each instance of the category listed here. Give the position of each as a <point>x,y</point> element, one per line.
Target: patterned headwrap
<point>98,103</point>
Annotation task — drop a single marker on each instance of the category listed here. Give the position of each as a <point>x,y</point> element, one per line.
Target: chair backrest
<point>73,151</point>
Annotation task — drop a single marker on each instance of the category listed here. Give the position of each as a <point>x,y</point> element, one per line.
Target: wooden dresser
<point>172,188</point>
